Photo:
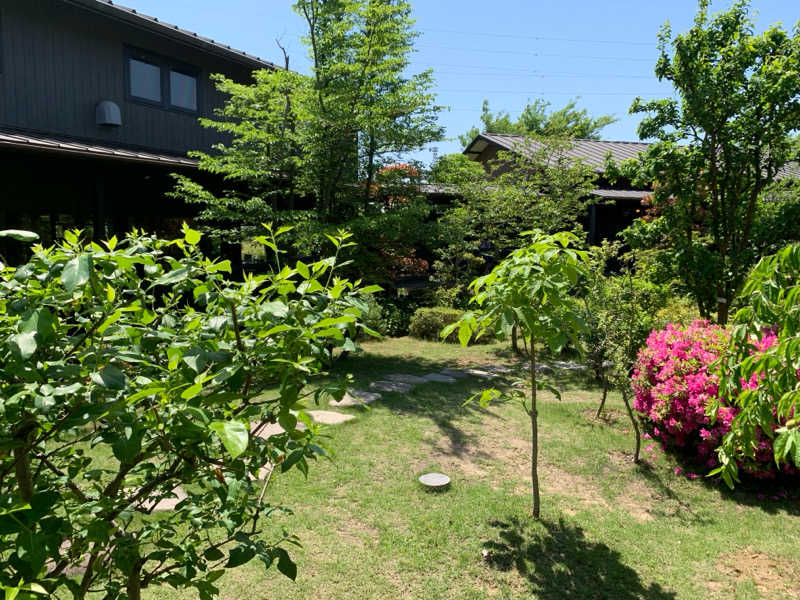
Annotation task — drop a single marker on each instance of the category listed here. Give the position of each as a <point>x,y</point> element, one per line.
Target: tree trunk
<point>534,434</point>
<point>722,312</point>
<point>134,586</point>
<point>22,468</point>
<point>603,400</point>
<point>627,400</point>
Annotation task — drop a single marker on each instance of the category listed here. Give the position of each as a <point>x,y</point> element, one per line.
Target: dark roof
<point>592,152</point>
<point>41,143</point>
<point>154,25</point>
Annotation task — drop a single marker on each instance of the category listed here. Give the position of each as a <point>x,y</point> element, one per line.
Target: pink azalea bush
<point>673,387</point>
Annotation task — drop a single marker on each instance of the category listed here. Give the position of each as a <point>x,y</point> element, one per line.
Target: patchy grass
<point>609,529</point>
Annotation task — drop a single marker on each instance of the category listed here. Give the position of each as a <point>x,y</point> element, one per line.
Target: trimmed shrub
<point>674,386</point>
<point>679,311</point>
<point>426,323</point>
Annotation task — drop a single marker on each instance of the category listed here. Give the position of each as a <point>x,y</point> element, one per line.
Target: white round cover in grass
<point>434,481</point>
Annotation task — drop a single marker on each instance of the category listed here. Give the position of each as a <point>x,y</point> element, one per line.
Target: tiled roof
<point>130,15</point>
<point>592,152</point>
<point>37,142</point>
<point>621,194</point>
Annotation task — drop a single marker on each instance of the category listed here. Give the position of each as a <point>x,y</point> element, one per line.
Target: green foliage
<point>427,323</point>
<point>678,310</point>
<point>135,367</point>
<point>532,290</point>
<point>537,121</point>
<point>536,186</point>
<point>720,144</point>
<point>372,318</point>
<point>765,385</point>
<point>325,137</point>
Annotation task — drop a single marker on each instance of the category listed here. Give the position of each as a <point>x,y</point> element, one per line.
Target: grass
<point>608,529</point>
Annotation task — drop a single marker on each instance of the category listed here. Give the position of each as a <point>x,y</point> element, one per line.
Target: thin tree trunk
<point>22,467</point>
<point>603,400</point>
<point>534,433</point>
<point>134,586</point>
<point>627,400</point>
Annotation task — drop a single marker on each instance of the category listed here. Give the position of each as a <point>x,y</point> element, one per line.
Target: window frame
<point>166,66</point>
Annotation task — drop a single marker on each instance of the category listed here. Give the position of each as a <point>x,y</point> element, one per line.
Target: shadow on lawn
<point>559,562</point>
<point>442,403</point>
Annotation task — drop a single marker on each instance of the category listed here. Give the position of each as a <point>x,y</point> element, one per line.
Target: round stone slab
<point>328,417</point>
<point>439,378</point>
<point>435,481</point>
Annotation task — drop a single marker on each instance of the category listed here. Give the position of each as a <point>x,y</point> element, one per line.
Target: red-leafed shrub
<point>674,384</point>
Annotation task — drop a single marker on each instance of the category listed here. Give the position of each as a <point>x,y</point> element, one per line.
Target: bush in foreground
<point>676,384</point>
<point>135,372</point>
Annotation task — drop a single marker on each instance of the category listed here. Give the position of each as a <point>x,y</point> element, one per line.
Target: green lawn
<point>609,529</point>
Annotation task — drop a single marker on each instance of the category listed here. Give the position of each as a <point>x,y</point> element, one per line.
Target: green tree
<point>537,186</point>
<point>324,137</point>
<point>537,120</point>
<point>531,290</point>
<point>720,143</point>
<point>763,383</point>
<point>136,372</point>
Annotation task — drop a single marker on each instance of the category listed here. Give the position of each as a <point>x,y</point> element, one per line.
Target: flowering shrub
<point>674,388</point>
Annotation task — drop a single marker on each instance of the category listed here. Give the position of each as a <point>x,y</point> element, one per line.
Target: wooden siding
<point>59,61</point>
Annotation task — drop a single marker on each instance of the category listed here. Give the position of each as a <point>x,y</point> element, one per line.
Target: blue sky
<point>510,52</point>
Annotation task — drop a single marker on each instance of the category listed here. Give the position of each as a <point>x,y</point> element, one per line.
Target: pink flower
<point>678,471</point>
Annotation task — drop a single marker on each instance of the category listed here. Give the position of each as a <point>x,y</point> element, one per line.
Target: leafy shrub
<point>677,310</point>
<point>675,385</point>
<point>373,316</point>
<point>131,369</point>
<point>427,323</point>
<point>398,310</point>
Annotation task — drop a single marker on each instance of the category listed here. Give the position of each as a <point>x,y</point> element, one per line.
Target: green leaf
<point>285,564</point>
<point>191,236</point>
<point>111,377</point>
<point>23,344</point>
<point>302,268</point>
<point>77,272</point>
<point>192,391</point>
<point>239,555</point>
<point>213,554</point>
<point>173,276</point>
<point>234,435</point>
<point>19,234</point>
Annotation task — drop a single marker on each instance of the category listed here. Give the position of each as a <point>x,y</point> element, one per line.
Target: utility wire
<point>540,38</point>
<point>535,54</point>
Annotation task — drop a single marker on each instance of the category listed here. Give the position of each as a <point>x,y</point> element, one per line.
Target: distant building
<point>98,105</point>
<point>617,205</point>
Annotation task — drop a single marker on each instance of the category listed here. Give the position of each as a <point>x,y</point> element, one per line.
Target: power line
<point>536,54</point>
<point>548,93</point>
<point>539,74</point>
<point>541,38</point>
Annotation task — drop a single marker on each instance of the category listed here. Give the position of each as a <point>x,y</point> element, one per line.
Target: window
<point>145,80</point>
<point>183,90</point>
<point>153,79</point>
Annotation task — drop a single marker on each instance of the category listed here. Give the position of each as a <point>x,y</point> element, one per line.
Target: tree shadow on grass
<point>560,563</point>
<point>442,403</point>
<point>682,509</point>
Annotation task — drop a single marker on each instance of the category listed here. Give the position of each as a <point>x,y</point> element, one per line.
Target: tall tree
<point>721,141</point>
<point>536,120</point>
<point>324,137</point>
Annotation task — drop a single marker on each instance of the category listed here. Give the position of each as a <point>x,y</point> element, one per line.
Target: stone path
<point>391,386</point>
<point>355,398</point>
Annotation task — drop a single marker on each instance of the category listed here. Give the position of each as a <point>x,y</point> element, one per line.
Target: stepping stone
<point>457,373</point>
<point>439,378</point>
<point>271,429</point>
<point>356,398</point>
<point>480,373</point>
<point>568,365</point>
<point>499,369</point>
<point>405,378</point>
<point>329,417</point>
<point>391,386</point>
<point>166,503</point>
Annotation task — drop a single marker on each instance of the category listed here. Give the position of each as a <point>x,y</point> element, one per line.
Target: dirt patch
<point>356,534</point>
<point>773,576</point>
<point>556,480</point>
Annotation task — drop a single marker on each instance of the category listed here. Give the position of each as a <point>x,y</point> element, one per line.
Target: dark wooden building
<point>617,205</point>
<point>98,105</point>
